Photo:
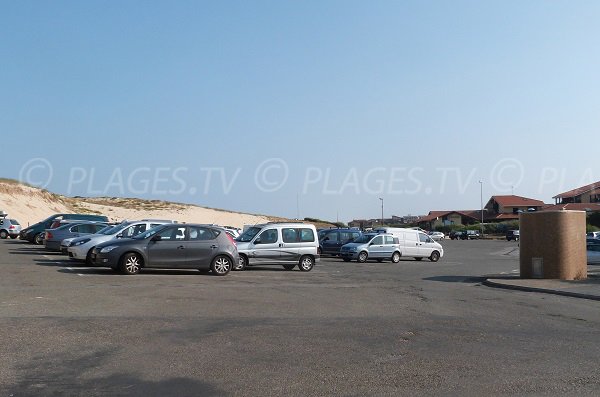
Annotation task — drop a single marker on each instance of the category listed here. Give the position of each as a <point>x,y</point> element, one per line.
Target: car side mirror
<point>156,238</point>
<point>120,235</point>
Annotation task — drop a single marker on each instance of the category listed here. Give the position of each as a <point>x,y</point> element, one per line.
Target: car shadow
<point>105,271</point>
<point>34,251</point>
<point>50,262</point>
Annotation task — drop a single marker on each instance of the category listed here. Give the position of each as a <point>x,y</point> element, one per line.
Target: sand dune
<point>29,205</point>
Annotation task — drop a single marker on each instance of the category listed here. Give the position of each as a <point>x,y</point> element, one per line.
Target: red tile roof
<point>475,214</point>
<point>579,191</point>
<point>517,201</point>
<point>573,206</point>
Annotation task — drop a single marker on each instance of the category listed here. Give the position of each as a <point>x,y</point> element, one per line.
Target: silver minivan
<point>286,244</point>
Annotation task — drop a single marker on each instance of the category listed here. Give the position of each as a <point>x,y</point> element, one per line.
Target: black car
<point>455,234</point>
<point>470,235</point>
<point>173,246</point>
<point>512,235</point>
<point>331,240</point>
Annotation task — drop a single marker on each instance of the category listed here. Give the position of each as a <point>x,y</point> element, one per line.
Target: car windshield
<point>149,233</point>
<point>248,235</point>
<point>115,229</point>
<point>365,238</point>
<point>104,229</point>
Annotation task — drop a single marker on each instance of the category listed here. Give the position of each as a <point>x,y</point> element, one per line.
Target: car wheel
<point>289,266</point>
<point>362,257</point>
<point>346,259</point>
<point>37,239</point>
<point>419,259</point>
<point>131,263</point>
<point>221,265</point>
<point>88,257</point>
<point>435,256</point>
<point>3,234</point>
<point>242,263</point>
<point>396,257</point>
<point>306,263</point>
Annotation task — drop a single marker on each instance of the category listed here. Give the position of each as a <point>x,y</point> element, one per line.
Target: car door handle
<point>214,246</point>
<point>181,247</point>
<point>280,245</point>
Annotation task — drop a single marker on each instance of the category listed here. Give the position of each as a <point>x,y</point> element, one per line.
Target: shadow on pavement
<point>456,279</point>
<point>72,373</point>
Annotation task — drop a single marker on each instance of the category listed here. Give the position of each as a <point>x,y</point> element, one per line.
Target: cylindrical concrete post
<point>553,245</point>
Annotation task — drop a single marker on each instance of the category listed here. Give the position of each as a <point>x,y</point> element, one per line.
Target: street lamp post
<point>481,204</point>
<point>381,211</point>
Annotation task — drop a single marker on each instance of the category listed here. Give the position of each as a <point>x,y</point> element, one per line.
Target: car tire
<point>3,234</point>
<point>419,259</point>
<point>396,257</point>
<point>38,240</point>
<point>435,256</point>
<point>221,265</point>
<point>242,263</point>
<point>362,257</point>
<point>306,263</point>
<point>88,257</point>
<point>131,263</point>
<point>289,266</point>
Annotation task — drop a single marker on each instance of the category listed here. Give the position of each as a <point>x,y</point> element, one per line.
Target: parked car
<point>173,246</point>
<point>64,245</point>
<point>54,237</point>
<point>595,235</point>
<point>9,228</point>
<point>512,235</point>
<point>332,240</point>
<point>34,233</point>
<point>470,235</point>
<point>415,244</point>
<point>455,234</point>
<point>80,249</point>
<point>372,246</point>
<point>286,244</point>
<point>437,236</point>
<point>593,251</point>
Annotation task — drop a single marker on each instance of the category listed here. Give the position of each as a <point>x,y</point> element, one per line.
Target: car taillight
<point>48,236</point>
<point>12,227</point>
<point>231,239</point>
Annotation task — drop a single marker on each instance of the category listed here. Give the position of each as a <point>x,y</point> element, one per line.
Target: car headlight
<point>106,250</point>
<point>353,249</point>
<point>78,243</point>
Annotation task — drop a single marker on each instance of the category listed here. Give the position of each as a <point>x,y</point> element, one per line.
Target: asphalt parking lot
<point>412,328</point>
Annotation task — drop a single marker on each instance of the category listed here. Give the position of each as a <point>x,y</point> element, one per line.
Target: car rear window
<point>14,222</point>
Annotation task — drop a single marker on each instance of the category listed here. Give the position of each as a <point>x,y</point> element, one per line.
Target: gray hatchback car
<point>53,237</point>
<point>202,247</point>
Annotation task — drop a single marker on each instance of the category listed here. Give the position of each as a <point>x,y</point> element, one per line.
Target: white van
<point>287,244</point>
<point>415,243</point>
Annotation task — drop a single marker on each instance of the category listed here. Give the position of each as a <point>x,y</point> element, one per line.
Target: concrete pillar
<point>553,245</point>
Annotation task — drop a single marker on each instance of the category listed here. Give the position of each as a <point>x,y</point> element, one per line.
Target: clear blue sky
<point>360,99</point>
